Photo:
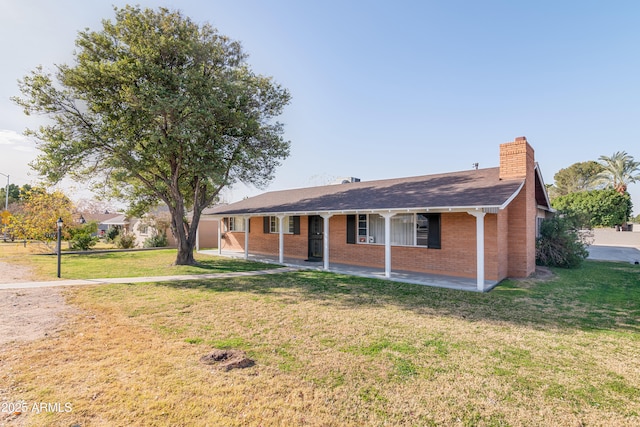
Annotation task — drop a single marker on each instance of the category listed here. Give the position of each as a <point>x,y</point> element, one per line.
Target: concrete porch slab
<point>435,280</point>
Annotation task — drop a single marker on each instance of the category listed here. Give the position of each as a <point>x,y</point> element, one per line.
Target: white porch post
<point>325,238</point>
<point>281,239</point>
<point>387,243</point>
<point>220,221</point>
<point>246,237</point>
<point>479,248</point>
<point>197,239</point>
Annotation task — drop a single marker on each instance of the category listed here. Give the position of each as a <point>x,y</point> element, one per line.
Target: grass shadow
<point>597,296</point>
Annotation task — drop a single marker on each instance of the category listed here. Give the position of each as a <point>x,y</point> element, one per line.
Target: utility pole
<point>6,203</point>
<point>6,200</point>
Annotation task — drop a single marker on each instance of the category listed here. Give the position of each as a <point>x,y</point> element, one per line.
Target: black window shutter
<point>434,231</point>
<point>351,229</point>
<point>296,224</point>
<point>266,223</point>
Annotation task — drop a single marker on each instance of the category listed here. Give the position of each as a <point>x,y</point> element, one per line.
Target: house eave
<point>430,209</point>
<point>546,208</point>
<point>544,188</point>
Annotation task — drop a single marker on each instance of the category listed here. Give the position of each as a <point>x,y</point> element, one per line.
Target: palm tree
<point>619,171</point>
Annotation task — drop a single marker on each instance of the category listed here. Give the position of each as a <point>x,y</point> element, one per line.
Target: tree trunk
<point>185,233</point>
<point>185,242</point>
<point>185,255</point>
<point>182,233</point>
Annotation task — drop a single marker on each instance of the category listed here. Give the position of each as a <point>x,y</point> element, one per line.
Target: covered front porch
<point>318,233</point>
<point>441,281</point>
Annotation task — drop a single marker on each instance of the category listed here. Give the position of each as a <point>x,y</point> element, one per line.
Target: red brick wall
<point>295,245</point>
<point>514,158</point>
<point>517,161</point>
<point>502,243</point>
<point>457,255</point>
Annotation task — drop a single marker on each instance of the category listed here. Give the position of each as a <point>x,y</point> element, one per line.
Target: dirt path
<point>27,314</point>
<point>11,273</point>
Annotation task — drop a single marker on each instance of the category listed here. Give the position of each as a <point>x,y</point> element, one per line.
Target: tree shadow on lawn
<point>203,265</point>
<point>223,265</point>
<point>598,296</point>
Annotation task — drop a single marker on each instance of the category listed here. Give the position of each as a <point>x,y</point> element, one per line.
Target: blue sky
<point>391,89</point>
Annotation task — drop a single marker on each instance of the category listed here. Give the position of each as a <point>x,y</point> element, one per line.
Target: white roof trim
<point>118,220</point>
<point>513,196</point>
<point>436,209</point>
<point>546,195</point>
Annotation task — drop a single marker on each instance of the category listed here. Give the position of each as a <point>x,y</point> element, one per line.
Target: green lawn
<point>338,350</point>
<point>133,264</point>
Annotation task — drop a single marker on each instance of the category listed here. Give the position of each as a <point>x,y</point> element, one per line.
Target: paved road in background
<point>611,245</point>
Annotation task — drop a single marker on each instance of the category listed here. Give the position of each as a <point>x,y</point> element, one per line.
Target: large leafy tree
<point>36,217</point>
<point>581,176</point>
<point>619,170</point>
<point>164,109</point>
<point>16,194</point>
<point>597,208</point>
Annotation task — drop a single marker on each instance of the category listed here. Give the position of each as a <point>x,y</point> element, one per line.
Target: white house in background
<point>143,228</point>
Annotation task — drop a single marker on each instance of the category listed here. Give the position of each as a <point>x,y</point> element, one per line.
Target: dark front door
<point>315,237</point>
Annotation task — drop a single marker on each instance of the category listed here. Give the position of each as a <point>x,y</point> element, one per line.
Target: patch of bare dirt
<point>12,273</point>
<point>226,360</point>
<point>29,314</point>
<point>543,273</point>
<point>26,315</point>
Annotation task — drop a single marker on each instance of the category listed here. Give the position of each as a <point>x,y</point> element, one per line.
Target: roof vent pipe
<point>349,180</point>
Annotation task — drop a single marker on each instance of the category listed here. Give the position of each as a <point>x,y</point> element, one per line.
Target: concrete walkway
<point>84,282</point>
<point>609,245</point>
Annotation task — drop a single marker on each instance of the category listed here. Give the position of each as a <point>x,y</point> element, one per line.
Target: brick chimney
<point>517,162</point>
<point>516,159</point>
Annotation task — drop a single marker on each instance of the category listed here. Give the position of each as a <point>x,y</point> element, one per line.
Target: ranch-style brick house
<point>479,223</point>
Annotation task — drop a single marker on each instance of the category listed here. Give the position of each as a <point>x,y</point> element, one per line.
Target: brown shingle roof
<point>466,189</point>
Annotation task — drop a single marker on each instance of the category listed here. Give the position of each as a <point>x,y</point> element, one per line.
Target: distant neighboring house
<point>146,227</point>
<point>105,220</point>
<point>479,224</point>
<point>207,228</point>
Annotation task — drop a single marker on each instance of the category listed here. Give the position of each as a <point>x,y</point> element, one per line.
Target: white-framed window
<point>235,223</point>
<point>419,229</point>
<point>287,224</point>
<point>403,230</point>
<point>538,226</point>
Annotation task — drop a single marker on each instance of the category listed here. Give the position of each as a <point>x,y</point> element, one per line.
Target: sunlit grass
<point>339,350</point>
<point>118,264</point>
